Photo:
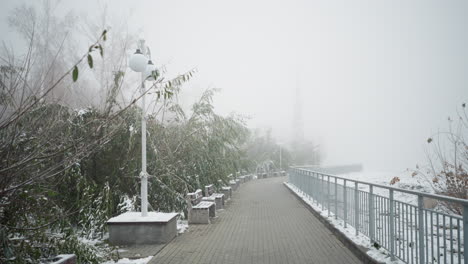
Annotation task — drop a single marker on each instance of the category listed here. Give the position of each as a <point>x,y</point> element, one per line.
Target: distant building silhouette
<point>303,151</point>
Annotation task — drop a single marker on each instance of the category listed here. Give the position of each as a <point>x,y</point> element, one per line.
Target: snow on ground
<point>182,226</point>
<point>130,261</point>
<point>407,181</point>
<point>380,255</point>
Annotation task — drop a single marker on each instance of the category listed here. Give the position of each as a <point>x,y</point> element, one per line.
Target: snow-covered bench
<point>238,182</point>
<point>245,178</point>
<point>227,191</point>
<point>233,185</point>
<point>242,179</point>
<point>199,212</point>
<point>210,195</point>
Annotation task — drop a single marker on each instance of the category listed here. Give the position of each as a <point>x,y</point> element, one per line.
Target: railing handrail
<point>429,195</point>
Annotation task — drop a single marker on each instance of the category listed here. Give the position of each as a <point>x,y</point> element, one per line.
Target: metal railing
<point>411,233</point>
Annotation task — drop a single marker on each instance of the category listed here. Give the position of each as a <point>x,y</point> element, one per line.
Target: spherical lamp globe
<point>150,68</point>
<point>138,61</point>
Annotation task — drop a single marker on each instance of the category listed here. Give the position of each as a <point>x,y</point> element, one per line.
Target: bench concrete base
<point>238,182</point>
<point>227,191</point>
<point>219,200</point>
<point>201,215</point>
<point>233,185</point>
<point>132,229</point>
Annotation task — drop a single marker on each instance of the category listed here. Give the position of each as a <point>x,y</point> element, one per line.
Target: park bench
<point>245,178</point>
<point>249,177</point>
<point>199,212</point>
<point>238,182</point>
<point>211,196</point>
<point>233,185</point>
<point>226,190</point>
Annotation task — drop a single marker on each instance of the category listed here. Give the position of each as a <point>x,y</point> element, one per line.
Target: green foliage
<point>90,61</point>
<point>75,73</point>
<point>80,198</point>
<point>66,172</point>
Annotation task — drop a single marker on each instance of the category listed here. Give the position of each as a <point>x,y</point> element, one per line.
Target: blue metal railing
<point>411,233</point>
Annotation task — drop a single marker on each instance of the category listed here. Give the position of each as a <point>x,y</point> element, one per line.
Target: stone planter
<point>131,228</point>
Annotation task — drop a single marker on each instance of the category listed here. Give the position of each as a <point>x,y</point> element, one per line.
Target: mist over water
<point>376,78</point>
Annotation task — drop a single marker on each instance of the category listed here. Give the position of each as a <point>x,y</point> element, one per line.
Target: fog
<point>376,78</point>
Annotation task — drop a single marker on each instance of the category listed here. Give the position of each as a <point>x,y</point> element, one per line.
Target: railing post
<point>291,176</point>
<point>302,182</point>
<point>371,214</point>
<point>312,188</point>
<point>310,185</point>
<point>328,195</point>
<point>356,207</point>
<point>316,188</point>
<point>298,179</point>
<point>322,191</point>
<point>421,229</point>
<point>465,232</point>
<point>392,227</point>
<point>306,183</point>
<point>345,205</point>
<point>336,198</point>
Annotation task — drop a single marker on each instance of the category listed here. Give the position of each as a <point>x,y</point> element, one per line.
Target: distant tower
<point>298,126</point>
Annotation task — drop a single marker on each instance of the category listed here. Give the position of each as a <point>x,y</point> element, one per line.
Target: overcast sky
<point>377,78</point>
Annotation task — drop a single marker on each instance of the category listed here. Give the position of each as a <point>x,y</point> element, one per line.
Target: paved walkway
<point>263,223</point>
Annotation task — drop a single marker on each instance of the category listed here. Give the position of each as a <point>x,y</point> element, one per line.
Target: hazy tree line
<point>71,156</point>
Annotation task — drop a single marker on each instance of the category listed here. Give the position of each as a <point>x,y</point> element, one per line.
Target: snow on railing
<point>410,233</point>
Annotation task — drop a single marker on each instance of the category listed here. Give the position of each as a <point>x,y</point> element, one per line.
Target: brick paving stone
<point>263,223</point>
<point>138,251</point>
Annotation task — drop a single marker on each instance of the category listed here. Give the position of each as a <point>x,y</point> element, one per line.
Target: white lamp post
<point>141,62</point>
<point>158,227</point>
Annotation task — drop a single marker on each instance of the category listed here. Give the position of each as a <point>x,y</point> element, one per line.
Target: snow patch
<point>83,111</point>
<point>182,226</point>
<point>408,182</point>
<point>137,217</point>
